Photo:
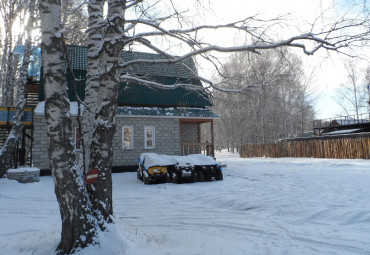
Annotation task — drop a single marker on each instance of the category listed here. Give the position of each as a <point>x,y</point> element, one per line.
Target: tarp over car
<point>154,159</point>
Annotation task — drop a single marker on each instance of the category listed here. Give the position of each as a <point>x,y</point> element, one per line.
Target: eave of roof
<point>173,112</point>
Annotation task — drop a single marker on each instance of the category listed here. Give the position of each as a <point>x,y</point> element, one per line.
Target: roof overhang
<point>73,108</point>
<point>185,113</point>
<point>173,112</point>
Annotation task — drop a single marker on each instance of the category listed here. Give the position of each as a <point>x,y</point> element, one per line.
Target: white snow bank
<point>24,169</point>
<point>111,241</point>
<point>24,174</point>
<point>154,159</point>
<point>40,108</point>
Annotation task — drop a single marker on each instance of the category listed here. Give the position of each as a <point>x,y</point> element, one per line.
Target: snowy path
<point>263,206</point>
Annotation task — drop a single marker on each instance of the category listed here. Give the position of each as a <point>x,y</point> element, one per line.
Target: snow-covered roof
<point>346,131</point>
<point>154,159</point>
<point>347,121</point>
<point>40,108</point>
<point>172,112</point>
<point>127,111</point>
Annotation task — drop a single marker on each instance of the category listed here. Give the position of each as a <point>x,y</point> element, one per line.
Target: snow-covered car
<point>153,167</point>
<point>175,169</point>
<point>205,167</point>
<point>182,169</point>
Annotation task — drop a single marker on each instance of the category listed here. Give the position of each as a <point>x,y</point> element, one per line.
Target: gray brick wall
<point>189,132</point>
<point>167,139</point>
<point>40,154</point>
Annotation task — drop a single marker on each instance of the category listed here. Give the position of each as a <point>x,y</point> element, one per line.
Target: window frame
<point>132,137</point>
<point>146,128</point>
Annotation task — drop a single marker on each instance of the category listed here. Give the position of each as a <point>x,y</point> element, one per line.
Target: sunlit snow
<point>263,206</point>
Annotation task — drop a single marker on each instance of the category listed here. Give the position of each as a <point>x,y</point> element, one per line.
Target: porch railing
<point>197,148</point>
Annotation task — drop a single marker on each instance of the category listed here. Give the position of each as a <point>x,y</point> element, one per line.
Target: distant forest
<point>277,103</point>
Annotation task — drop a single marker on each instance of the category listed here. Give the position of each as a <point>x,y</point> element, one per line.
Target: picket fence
<point>340,147</point>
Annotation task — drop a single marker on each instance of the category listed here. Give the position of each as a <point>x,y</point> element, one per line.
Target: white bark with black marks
<point>78,226</point>
<point>107,69</point>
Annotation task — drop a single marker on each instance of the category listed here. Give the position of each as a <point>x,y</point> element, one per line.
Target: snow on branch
<point>132,3</point>
<point>153,84</point>
<point>254,48</point>
<point>239,25</point>
<point>145,82</point>
<point>332,38</point>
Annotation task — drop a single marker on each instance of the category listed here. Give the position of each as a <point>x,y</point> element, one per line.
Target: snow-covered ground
<point>263,206</point>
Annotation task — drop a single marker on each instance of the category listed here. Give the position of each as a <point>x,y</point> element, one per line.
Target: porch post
<point>213,141</point>
<point>182,148</point>
<point>199,140</point>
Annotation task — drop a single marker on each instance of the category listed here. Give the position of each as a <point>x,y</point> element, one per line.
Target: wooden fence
<point>341,147</point>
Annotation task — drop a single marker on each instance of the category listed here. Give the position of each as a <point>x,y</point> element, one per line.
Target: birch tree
<point>74,21</point>
<point>278,106</point>
<point>20,81</point>
<point>352,95</point>
<point>78,225</point>
<point>367,80</point>
<point>11,12</point>
<point>87,209</point>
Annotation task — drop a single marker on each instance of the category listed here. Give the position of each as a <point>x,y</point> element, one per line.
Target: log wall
<point>341,147</point>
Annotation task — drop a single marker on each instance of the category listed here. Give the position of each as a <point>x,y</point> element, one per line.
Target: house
<point>165,121</point>
<point>342,125</point>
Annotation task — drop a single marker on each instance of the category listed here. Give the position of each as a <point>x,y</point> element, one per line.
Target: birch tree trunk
<point>93,77</point>
<point>84,208</point>
<point>9,65</point>
<point>78,227</point>
<point>11,11</point>
<point>107,53</point>
<point>6,153</point>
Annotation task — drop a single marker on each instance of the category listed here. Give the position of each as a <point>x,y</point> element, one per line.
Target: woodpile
<point>341,147</point>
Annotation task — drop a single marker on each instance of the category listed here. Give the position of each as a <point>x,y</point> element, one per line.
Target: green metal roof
<point>138,95</point>
<point>133,94</point>
<point>177,112</point>
<point>169,70</point>
<point>78,57</point>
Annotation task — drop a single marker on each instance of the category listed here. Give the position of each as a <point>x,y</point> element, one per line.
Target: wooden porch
<point>197,148</point>
<point>197,137</point>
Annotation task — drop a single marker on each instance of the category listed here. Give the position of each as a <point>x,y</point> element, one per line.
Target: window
<point>127,138</point>
<point>149,137</point>
<point>77,139</point>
